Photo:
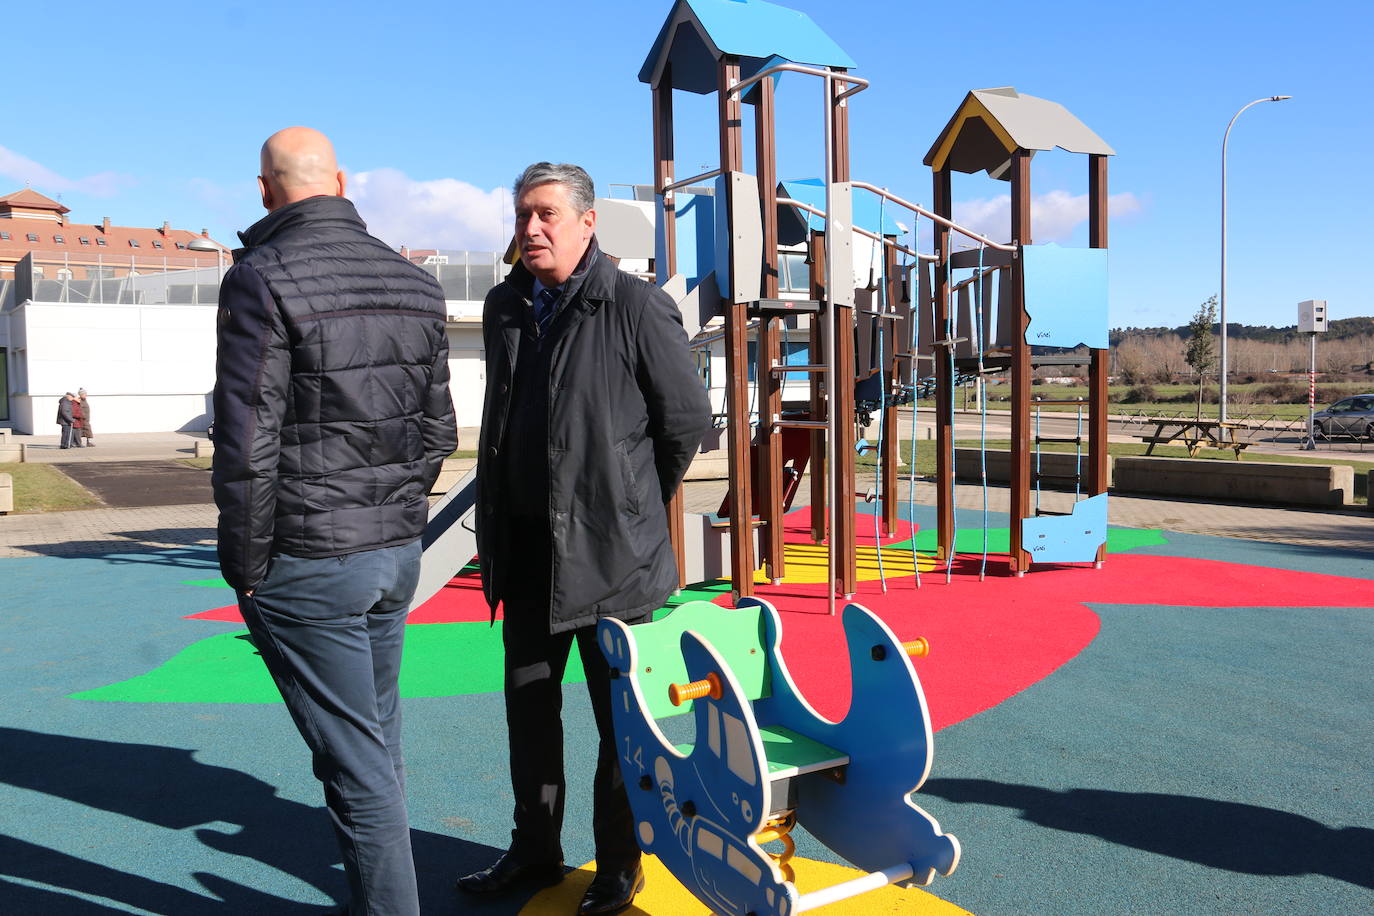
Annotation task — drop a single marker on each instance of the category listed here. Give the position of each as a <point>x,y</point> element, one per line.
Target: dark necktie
<point>544,308</point>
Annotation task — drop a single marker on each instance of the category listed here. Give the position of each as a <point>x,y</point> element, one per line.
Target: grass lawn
<point>43,488</point>
<point>205,462</point>
<point>925,456</point>
<point>1243,400</point>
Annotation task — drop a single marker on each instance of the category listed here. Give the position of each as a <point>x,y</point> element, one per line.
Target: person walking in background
<point>332,421</point>
<point>593,413</point>
<point>86,432</point>
<point>66,419</point>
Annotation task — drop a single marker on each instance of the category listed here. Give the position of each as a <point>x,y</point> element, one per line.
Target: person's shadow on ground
<point>167,787</point>
<point>1219,834</point>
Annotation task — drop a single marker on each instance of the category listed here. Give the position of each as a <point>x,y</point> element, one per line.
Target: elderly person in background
<point>593,412</point>
<point>86,431</point>
<point>66,418</point>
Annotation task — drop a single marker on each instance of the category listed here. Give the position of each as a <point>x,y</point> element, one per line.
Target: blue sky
<point>148,113</point>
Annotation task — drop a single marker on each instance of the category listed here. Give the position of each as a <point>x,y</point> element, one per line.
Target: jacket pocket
<point>628,477</point>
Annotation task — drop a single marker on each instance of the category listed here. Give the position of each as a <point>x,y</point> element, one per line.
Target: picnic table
<point>1195,434</point>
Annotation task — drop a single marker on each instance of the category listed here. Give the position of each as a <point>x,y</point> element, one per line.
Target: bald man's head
<point>297,163</point>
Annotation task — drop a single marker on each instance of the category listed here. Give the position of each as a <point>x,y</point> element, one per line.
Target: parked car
<point>1349,417</point>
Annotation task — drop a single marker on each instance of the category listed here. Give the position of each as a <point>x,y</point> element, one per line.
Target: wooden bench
<point>762,760</point>
<point>1196,435</point>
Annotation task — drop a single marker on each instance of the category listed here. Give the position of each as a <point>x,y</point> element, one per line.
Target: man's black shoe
<point>611,892</point>
<point>510,874</point>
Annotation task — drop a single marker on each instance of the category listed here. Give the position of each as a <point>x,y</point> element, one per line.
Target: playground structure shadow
<point>1248,839</point>
<point>167,787</point>
<point>143,547</point>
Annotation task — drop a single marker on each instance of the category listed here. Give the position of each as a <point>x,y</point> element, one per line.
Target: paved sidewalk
<point>99,530</point>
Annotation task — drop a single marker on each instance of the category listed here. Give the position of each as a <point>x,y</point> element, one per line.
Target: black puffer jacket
<point>332,408</point>
<point>626,414</point>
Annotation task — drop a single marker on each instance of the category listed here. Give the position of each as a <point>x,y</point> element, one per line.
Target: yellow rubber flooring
<point>664,896</point>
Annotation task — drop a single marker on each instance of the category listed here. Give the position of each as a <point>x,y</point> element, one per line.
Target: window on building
<point>794,353</point>
<point>83,239</point>
<point>4,384</point>
<point>5,236</point>
<point>794,274</point>
<point>64,274</point>
<point>180,246</point>
<point>32,236</point>
<point>133,243</point>
<point>100,242</point>
<point>156,243</point>
<point>59,240</point>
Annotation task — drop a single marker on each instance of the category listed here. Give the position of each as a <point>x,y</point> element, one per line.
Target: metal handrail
<point>668,189</point>
<point>917,208</point>
<point>859,84</point>
<point>792,202</point>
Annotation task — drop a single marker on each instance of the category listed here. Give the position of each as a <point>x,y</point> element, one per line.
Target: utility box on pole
<point>1311,316</point>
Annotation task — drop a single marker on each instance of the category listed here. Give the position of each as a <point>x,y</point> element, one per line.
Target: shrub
<point>1140,394</point>
<point>1282,393</point>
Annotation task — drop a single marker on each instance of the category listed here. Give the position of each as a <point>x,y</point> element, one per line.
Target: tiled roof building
<point>31,223</point>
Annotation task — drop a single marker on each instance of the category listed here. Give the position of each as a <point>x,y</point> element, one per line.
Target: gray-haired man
<point>593,412</point>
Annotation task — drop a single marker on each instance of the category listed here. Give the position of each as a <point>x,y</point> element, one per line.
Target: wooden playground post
<point>769,469</point>
<point>1097,371</point>
<point>663,176</point>
<point>891,444</point>
<point>736,353</point>
<point>944,377</point>
<point>819,497</point>
<point>1021,508</point>
<point>842,543</point>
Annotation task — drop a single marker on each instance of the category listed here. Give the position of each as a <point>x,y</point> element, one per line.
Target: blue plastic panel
<point>1066,296</point>
<point>1067,538</point>
<point>867,208</point>
<point>696,235</point>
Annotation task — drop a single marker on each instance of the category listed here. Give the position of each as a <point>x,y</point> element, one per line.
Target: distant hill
<point>1339,329</point>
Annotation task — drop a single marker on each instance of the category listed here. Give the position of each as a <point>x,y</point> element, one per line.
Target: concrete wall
<point>967,467</point>
<point>1242,481</point>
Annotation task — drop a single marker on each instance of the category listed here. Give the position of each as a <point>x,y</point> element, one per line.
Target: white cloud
<point>442,213</point>
<point>44,180</point>
<point>1054,215</point>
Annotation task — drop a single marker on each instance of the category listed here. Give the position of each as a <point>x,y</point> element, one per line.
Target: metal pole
<point>1225,366</point>
<point>1311,444</point>
<point>828,337</point>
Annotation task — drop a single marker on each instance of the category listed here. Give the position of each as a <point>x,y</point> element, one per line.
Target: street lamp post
<point>1225,365</point>
<point>203,244</point>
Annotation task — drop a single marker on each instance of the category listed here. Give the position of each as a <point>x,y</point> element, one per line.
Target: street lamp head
<point>202,245</point>
<point>1279,98</point>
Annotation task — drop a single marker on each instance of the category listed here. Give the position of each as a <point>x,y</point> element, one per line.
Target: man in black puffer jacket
<point>332,420</point>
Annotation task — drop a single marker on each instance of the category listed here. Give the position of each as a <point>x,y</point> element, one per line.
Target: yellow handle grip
<point>708,686</point>
<point>918,647</point>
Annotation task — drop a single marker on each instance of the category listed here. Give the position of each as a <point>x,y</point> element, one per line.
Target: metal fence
<point>186,279</point>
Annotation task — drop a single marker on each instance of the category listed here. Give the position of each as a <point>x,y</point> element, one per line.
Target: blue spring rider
<point>764,760</point>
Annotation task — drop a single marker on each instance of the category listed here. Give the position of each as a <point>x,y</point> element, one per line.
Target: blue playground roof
<point>867,211</point>
<point>697,33</point>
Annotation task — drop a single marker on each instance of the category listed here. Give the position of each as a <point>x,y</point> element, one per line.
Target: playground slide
<point>449,540</point>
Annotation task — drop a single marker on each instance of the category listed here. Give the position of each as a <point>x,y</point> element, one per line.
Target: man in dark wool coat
<point>593,413</point>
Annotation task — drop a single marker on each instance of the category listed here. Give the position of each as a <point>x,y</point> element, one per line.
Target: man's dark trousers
<point>330,631</point>
<point>534,666</point>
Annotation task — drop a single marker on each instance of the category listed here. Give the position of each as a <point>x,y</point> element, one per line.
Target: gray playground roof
<point>991,124</point>
<point>698,33</point>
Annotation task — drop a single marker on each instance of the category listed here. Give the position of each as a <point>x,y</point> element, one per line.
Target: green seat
<point>790,754</point>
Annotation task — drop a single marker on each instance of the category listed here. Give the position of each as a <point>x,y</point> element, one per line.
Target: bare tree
<point>1201,354</point>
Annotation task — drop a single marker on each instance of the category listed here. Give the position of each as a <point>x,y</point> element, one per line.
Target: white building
<point>141,339</point>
